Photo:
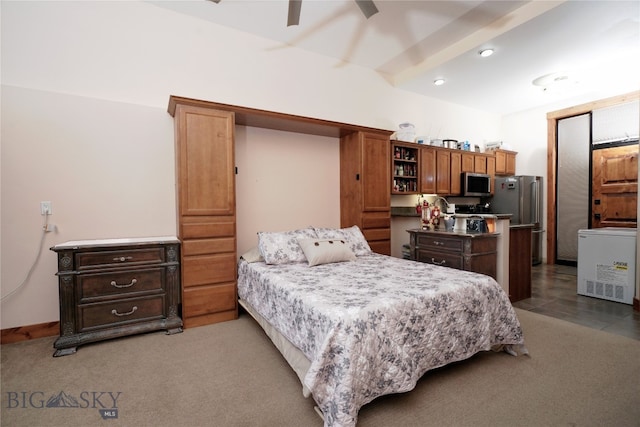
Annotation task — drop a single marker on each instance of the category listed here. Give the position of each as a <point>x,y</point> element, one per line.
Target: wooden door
<point>614,195</point>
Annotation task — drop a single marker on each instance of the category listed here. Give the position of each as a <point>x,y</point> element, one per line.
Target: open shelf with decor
<point>404,167</point>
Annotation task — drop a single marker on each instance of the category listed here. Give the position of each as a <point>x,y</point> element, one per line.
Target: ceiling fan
<point>367,7</point>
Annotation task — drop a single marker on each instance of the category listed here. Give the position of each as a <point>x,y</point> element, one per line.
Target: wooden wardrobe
<point>206,205</point>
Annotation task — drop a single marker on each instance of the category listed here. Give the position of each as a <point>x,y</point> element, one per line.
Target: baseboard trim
<point>25,333</point>
<point>636,304</point>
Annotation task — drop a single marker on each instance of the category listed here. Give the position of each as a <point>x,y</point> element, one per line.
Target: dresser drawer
<point>102,259</point>
<point>113,313</point>
<point>439,242</point>
<point>445,259</point>
<point>112,283</point>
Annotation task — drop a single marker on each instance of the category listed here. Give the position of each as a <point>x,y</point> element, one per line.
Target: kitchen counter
<point>522,225</point>
<point>483,215</point>
<point>410,211</point>
<point>443,232</point>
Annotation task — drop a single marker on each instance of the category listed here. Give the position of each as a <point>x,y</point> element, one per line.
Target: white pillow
<point>253,255</point>
<point>354,237</point>
<point>283,247</point>
<point>326,251</point>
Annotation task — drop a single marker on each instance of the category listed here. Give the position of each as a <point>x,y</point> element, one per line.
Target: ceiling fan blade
<point>294,12</point>
<point>367,7</point>
<point>215,1</point>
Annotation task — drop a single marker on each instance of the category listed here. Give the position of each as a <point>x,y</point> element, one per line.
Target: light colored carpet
<point>229,374</point>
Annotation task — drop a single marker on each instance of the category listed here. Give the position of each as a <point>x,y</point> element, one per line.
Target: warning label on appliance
<point>615,273</point>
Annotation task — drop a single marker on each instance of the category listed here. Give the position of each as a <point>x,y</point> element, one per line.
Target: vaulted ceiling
<point>569,48</point>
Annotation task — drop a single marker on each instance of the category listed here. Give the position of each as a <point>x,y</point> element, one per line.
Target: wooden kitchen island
<point>471,251</point>
<point>481,253</point>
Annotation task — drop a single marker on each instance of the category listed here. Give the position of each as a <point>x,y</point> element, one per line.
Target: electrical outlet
<point>45,208</point>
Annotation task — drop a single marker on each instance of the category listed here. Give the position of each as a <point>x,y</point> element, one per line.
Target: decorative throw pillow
<point>326,251</point>
<point>352,235</point>
<point>283,247</point>
<point>253,255</point>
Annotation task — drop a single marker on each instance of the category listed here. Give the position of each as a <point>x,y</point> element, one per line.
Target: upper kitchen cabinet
<point>443,172</point>
<point>365,199</point>
<point>435,171</point>
<point>474,162</point>
<point>456,172</point>
<point>428,170</point>
<point>505,162</point>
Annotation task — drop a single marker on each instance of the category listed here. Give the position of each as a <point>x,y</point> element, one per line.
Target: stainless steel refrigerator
<point>521,196</point>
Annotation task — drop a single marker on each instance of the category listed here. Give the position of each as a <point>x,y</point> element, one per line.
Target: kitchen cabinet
<point>405,165</point>
<point>480,163</point>
<point>464,251</point>
<point>491,170</point>
<point>443,172</point>
<point>365,199</point>
<point>455,180</point>
<point>435,171</point>
<point>505,162</point>
<point>116,287</point>
<point>428,170</point>
<point>468,162</point>
<point>474,162</point>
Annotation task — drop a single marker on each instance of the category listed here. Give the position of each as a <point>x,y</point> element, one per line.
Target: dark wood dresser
<point>463,251</point>
<point>117,287</point>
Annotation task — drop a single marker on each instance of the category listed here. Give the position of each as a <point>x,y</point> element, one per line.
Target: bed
<point>356,325</point>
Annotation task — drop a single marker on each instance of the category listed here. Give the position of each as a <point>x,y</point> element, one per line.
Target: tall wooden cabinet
<point>206,213</point>
<point>365,174</point>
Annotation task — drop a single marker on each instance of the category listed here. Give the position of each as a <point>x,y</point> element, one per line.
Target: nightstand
<point>117,287</point>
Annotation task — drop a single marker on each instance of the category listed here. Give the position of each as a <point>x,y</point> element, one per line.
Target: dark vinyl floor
<point>553,293</point>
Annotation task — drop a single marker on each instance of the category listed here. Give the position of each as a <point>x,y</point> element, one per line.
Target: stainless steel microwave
<point>476,184</point>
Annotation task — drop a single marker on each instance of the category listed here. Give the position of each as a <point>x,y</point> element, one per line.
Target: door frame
<point>552,157</point>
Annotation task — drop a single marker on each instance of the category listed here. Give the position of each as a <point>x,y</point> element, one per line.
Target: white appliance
<point>607,263</point>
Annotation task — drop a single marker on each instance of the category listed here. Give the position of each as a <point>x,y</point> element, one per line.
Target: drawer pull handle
<point>129,313</point>
<point>435,242</point>
<point>114,284</point>
<point>443,262</point>
<point>123,258</point>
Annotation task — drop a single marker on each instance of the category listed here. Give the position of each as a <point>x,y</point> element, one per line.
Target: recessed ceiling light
<point>486,52</point>
<point>438,82</point>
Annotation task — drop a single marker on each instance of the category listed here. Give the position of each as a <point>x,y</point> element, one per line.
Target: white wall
<point>85,87</point>
<point>285,181</point>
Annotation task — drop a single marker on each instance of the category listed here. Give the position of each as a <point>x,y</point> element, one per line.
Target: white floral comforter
<point>374,326</point>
